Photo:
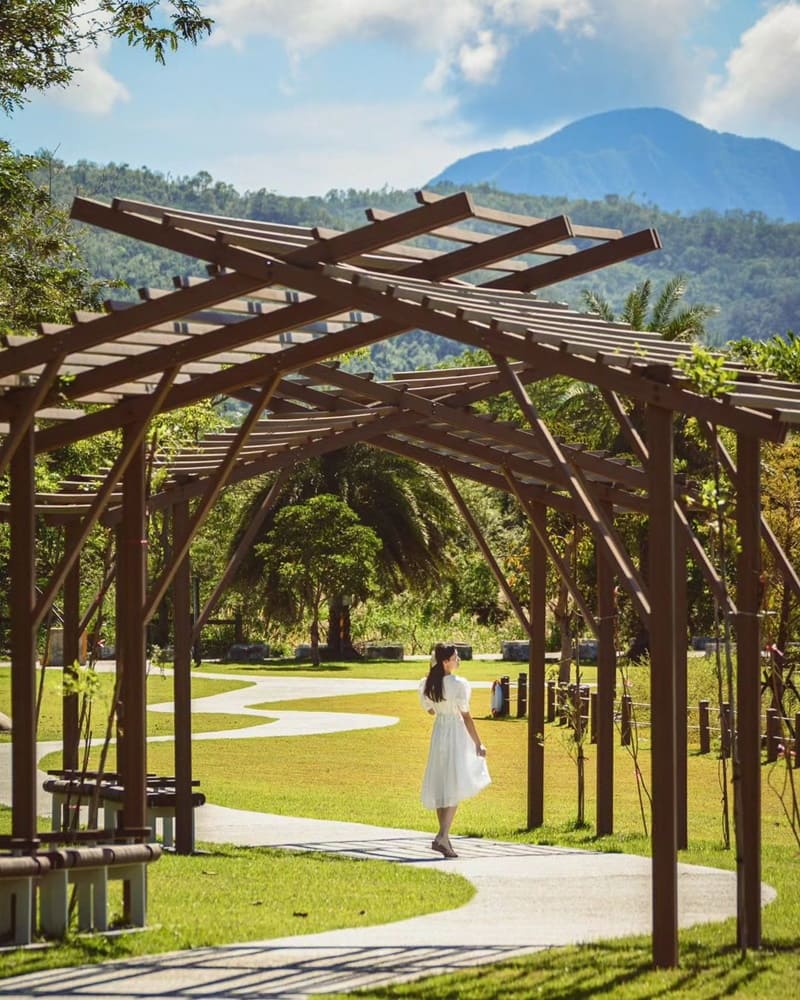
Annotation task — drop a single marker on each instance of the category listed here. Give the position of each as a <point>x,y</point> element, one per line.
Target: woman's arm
<point>480,749</point>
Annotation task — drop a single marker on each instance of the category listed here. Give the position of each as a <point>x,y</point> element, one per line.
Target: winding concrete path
<point>527,897</point>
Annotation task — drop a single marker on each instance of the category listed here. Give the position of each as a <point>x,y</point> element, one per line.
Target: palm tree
<point>583,404</point>
<point>401,501</point>
<point>687,324</point>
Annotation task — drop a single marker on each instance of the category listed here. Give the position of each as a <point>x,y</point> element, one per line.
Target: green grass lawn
<point>373,776</point>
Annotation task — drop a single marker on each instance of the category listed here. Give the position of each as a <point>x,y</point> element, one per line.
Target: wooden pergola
<point>278,303</point>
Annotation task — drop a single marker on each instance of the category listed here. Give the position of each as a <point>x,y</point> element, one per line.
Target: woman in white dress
<point>456,767</point>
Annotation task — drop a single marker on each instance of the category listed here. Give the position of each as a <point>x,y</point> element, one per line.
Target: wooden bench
<point>67,796</point>
<point>161,805</point>
<point>71,790</point>
<point>18,876</point>
<point>90,868</point>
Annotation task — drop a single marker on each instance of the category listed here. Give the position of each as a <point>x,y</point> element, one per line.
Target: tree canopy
<point>40,39</point>
<point>316,550</point>
<point>42,274</point>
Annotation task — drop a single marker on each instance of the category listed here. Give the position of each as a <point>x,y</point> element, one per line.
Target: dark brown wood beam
<point>747,743</point>
<point>100,501</point>
<point>662,687</point>
<point>83,336</point>
<point>555,556</point>
<point>603,531</point>
<point>71,646</point>
<point>537,514</point>
<point>787,570</point>
<point>690,539</point>
<point>606,685</point>
<point>21,600</point>
<point>583,262</point>
<point>132,655</point>
<point>182,684</point>
<point>26,402</point>
<point>483,545</point>
<point>244,546</point>
<point>214,486</point>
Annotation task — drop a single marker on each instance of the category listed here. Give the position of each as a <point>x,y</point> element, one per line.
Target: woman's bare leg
<point>446,815</point>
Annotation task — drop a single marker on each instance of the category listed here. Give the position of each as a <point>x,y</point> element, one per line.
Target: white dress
<point>454,770</point>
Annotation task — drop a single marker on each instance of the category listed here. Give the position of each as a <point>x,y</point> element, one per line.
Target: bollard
<point>522,695</point>
<point>705,728</point>
<point>795,741</point>
<point>593,718</point>
<point>505,687</point>
<point>562,703</point>
<point>627,714</point>
<point>551,700</point>
<point>725,729</point>
<point>574,710</point>
<point>584,707</point>
<point>773,734</point>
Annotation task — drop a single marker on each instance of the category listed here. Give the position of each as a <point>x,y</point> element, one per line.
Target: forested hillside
<point>742,263</point>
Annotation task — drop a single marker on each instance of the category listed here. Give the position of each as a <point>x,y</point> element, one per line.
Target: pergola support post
<point>681,689</point>
<point>182,685</point>
<point>22,602</point>
<point>131,642</point>
<point>71,647</point>
<point>536,665</point>
<point>748,684</point>
<point>559,562</point>
<point>662,686</point>
<point>606,677</point>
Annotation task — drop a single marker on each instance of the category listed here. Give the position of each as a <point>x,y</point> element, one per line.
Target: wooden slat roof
<point>279,301</point>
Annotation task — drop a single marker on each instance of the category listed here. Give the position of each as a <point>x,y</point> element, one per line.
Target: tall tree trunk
<point>340,643</point>
<point>315,658</point>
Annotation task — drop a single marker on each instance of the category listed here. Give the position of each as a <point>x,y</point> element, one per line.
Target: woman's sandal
<point>444,849</point>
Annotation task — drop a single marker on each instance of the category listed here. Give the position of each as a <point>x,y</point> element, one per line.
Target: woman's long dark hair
<point>434,681</point>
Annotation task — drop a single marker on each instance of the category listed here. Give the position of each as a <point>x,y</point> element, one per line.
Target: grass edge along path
<point>228,894</point>
<point>711,965</point>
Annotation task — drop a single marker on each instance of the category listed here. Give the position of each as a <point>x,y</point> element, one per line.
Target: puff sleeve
<point>463,693</point>
<point>426,702</point>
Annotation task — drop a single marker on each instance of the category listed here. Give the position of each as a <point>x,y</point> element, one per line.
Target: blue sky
<point>302,97</point>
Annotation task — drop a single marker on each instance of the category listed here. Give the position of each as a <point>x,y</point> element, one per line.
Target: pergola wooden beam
<point>128,451</point>
<point>560,564</point>
<point>698,553</point>
<point>583,262</point>
<point>244,546</point>
<point>282,300</point>
<point>29,401</point>
<point>482,544</point>
<point>212,491</point>
<point>662,688</point>
<point>603,531</point>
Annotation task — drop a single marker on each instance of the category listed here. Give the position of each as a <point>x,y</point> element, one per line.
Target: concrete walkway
<point>528,898</point>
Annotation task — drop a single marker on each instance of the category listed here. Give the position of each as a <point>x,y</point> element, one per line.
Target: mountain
<point>650,155</point>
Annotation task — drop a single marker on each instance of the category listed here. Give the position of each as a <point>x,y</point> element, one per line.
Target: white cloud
<point>665,22</point>
<point>300,151</point>
<point>758,93</point>
<point>313,24</point>
<point>93,90</point>
<point>530,15</point>
<point>478,62</point>
<point>467,37</point>
<point>468,40</point>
